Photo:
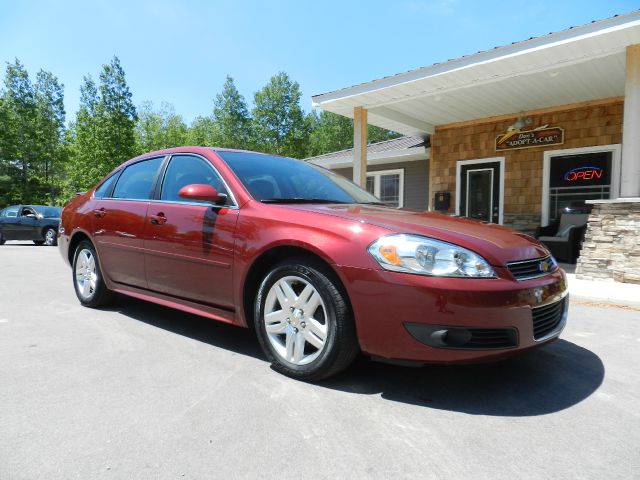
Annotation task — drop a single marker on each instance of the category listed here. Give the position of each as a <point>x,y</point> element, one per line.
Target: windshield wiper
<point>372,203</point>
<point>300,200</point>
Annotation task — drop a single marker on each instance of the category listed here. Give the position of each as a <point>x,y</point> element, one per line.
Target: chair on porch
<point>563,238</point>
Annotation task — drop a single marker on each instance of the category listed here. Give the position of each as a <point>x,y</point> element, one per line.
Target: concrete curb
<point>600,291</point>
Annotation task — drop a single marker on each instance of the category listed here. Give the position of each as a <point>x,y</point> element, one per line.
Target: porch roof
<point>574,65</point>
<point>402,149</point>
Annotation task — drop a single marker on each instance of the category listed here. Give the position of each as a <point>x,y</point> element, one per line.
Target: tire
<point>87,277</point>
<point>311,345</point>
<point>2,239</point>
<point>50,237</point>
<point>39,242</point>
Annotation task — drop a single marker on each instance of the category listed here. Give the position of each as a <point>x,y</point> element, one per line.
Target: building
<point>397,170</point>
<point>521,133</point>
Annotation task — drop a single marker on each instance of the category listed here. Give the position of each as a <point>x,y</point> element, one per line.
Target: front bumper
<point>406,317</point>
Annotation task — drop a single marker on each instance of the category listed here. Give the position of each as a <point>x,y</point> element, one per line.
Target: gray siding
<point>416,181</point>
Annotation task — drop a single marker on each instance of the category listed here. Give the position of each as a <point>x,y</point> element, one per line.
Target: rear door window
<point>137,180</point>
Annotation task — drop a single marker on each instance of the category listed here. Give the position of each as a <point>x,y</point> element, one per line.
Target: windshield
<point>49,212</point>
<point>278,179</point>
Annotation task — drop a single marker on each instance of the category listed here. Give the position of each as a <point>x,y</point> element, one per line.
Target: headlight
<point>426,256</point>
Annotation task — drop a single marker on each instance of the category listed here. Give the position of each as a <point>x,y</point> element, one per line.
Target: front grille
<point>534,268</point>
<point>492,338</point>
<point>547,318</point>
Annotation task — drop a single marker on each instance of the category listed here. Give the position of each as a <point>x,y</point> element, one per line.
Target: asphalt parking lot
<point>142,391</point>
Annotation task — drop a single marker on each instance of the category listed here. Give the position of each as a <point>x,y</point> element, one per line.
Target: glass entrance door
<point>480,194</point>
<point>480,191</point>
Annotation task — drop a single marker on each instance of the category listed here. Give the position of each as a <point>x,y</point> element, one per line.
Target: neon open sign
<point>579,174</point>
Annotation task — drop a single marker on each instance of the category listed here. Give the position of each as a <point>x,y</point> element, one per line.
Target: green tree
<point>204,132</point>
<point>104,131</point>
<point>31,134</point>
<point>331,132</point>
<point>231,117</point>
<point>279,124</point>
<point>160,129</point>
<point>19,130</point>
<point>50,130</point>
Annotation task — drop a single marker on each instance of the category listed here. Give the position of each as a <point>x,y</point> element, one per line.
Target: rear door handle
<point>158,219</point>
<point>99,212</point>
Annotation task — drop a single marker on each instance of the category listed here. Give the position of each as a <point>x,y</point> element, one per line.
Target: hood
<point>496,243</point>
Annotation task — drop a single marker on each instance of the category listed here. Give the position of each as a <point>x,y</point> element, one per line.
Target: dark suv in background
<point>38,223</point>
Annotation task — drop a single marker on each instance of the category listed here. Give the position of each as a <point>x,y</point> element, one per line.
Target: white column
<point>630,169</point>
<point>360,146</point>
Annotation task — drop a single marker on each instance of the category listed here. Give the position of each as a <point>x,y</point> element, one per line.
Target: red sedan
<point>314,263</point>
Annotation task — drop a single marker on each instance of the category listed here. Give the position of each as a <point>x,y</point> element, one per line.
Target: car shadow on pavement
<point>217,334</point>
<point>547,380</point>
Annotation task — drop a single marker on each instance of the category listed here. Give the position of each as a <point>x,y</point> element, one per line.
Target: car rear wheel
<point>50,237</point>
<point>39,242</point>
<point>87,277</point>
<point>303,321</point>
<point>2,239</point>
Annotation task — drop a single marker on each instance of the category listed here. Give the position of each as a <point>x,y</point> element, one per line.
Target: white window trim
<point>376,183</point>
<point>461,163</point>
<point>616,157</point>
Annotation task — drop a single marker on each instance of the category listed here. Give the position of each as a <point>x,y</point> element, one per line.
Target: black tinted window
<point>104,189</point>
<point>185,170</point>
<point>136,181</point>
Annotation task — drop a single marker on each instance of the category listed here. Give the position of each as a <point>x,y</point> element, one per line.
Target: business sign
<point>584,170</point>
<point>536,137</point>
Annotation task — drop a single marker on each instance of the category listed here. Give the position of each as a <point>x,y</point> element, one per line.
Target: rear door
<point>9,221</point>
<point>189,245</point>
<point>119,222</point>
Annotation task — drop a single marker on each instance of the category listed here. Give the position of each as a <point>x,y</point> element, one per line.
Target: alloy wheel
<point>295,320</point>
<point>85,273</point>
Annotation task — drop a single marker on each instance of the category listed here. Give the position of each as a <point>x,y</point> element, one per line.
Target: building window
<point>576,178</point>
<point>388,186</point>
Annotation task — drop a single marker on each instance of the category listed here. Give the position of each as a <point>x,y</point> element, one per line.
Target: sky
<point>181,51</point>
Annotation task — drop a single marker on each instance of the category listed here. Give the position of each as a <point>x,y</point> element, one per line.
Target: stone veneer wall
<point>611,248</point>
<point>599,123</point>
<point>523,222</point>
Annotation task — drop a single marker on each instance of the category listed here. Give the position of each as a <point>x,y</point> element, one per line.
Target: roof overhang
<point>379,158</point>
<point>575,65</point>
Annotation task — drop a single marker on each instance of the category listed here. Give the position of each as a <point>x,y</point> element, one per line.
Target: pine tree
<point>103,134</point>
<point>231,117</point>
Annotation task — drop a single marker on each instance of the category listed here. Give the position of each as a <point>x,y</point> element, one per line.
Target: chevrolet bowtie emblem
<point>544,266</point>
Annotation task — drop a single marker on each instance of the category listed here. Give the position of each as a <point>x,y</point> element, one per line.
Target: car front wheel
<point>87,277</point>
<point>303,321</point>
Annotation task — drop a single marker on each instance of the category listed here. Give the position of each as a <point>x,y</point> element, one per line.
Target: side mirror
<point>202,192</point>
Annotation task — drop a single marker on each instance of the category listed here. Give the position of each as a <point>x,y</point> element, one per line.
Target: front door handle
<point>158,219</point>
<point>99,212</point>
